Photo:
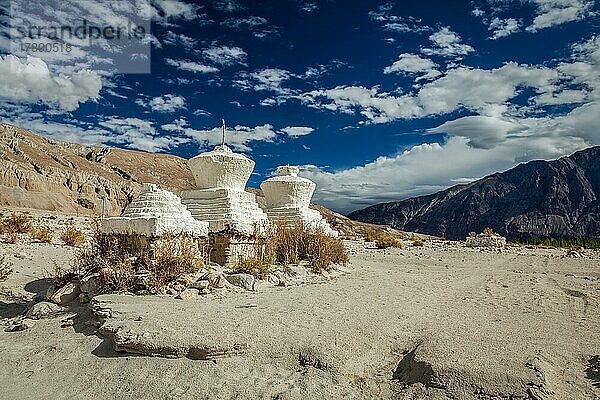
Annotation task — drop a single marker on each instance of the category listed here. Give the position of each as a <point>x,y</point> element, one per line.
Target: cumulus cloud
<point>139,134</point>
<point>480,90</point>
<point>239,136</point>
<point>413,63</point>
<point>191,66</point>
<point>476,147</point>
<point>165,103</point>
<point>30,81</point>
<point>448,44</point>
<point>556,12</point>
<point>503,27</point>
<point>397,24</point>
<point>224,55</point>
<point>269,79</point>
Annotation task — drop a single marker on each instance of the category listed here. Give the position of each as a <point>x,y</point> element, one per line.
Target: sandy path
<point>436,322</point>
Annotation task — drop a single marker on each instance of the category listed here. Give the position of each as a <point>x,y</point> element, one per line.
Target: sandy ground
<point>435,322</point>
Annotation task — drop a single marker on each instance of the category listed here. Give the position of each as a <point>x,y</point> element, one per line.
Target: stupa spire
<point>223,132</point>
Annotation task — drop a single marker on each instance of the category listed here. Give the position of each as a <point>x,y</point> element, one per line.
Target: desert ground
<point>441,321</point>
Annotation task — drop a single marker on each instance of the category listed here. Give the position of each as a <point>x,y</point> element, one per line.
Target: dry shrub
<point>174,255</point>
<point>5,269</point>
<point>72,236</point>
<point>12,226</point>
<point>371,235</point>
<point>256,266</point>
<point>418,243</point>
<point>472,234</point>
<point>43,235</point>
<point>385,240</point>
<point>118,256</point>
<point>287,245</point>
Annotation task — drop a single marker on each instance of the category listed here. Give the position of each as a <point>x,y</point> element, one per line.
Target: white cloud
<point>448,44</point>
<point>476,147</point>
<point>480,90</point>
<point>269,79</point>
<point>165,103</point>
<point>30,81</point>
<point>413,63</point>
<point>179,39</point>
<point>397,24</point>
<point>228,6</point>
<point>225,55</point>
<point>296,131</point>
<point>556,12</point>
<point>173,9</point>
<point>139,134</point>
<point>191,66</point>
<point>504,27</point>
<point>238,137</point>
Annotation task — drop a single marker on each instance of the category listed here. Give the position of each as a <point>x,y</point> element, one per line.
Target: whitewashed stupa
<point>287,200</point>
<point>219,197</point>
<point>153,213</point>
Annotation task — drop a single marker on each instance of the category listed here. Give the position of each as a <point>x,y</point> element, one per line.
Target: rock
<point>44,309</point>
<point>274,280</point>
<point>200,285</point>
<point>66,294</point>
<point>84,298</point>
<point>188,294</point>
<point>91,284</point>
<point>20,325</point>
<point>141,277</point>
<point>245,281</point>
<point>218,282</point>
<point>205,291</point>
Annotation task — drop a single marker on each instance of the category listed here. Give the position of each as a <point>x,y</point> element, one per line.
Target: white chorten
<point>153,213</point>
<point>287,200</point>
<point>219,197</point>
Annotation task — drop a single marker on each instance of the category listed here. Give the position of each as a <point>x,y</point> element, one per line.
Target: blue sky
<point>378,101</point>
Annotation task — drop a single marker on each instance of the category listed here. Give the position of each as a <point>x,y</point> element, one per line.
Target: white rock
<point>44,309</point>
<point>200,285</point>
<point>188,294</point>
<point>245,281</point>
<point>66,294</point>
<point>219,197</point>
<point>153,213</point>
<point>287,200</point>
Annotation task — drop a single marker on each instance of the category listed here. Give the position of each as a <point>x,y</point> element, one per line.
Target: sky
<point>376,100</point>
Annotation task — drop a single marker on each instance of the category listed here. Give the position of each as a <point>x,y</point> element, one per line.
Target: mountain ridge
<point>556,199</point>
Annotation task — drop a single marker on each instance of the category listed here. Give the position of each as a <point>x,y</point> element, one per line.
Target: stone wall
<point>229,249</point>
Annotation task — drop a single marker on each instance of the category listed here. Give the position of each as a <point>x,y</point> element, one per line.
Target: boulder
<point>188,294</point>
<point>66,294</point>
<point>245,281</point>
<point>20,325</point>
<point>91,285</point>
<point>200,285</point>
<point>44,309</point>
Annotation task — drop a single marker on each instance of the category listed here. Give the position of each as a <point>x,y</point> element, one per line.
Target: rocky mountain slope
<point>39,173</point>
<point>559,198</point>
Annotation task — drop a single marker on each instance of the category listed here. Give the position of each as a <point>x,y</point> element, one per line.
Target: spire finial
<point>223,132</point>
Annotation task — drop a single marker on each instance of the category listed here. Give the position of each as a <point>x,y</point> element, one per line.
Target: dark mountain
<point>556,199</point>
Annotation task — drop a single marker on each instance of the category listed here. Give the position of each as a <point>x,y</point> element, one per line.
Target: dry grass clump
<point>72,236</point>
<point>43,235</point>
<point>117,257</point>
<point>5,269</point>
<point>385,240</point>
<point>12,226</point>
<point>255,266</point>
<point>287,245</point>
<point>418,243</point>
<point>382,239</point>
<point>174,255</point>
<point>488,231</point>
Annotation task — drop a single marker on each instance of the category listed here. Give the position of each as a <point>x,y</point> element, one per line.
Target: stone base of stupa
<point>226,210</point>
<point>229,250</point>
<point>291,216</point>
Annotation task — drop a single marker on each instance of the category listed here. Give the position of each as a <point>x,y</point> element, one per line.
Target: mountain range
<point>553,199</point>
